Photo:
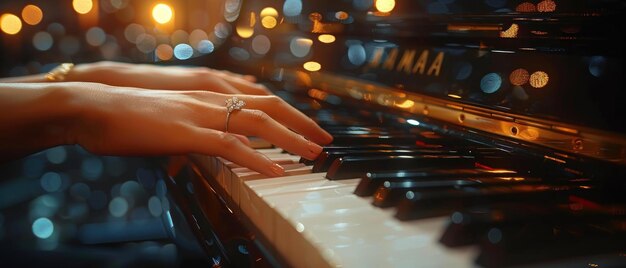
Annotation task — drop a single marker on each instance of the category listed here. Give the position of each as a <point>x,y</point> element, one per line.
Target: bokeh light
<point>42,41</point>
<point>326,38</point>
<point>206,46</point>
<point>10,24</point>
<point>32,14</point>
<point>95,36</point>
<point>312,66</point>
<point>43,228</point>
<point>164,52</point>
<point>385,5</point>
<point>162,13</point>
<point>82,6</point>
<point>183,51</point>
<point>269,22</point>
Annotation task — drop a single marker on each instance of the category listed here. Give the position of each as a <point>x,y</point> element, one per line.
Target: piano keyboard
<point>315,222</point>
<point>402,197</point>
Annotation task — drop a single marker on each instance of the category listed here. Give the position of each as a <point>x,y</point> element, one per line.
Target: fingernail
<point>328,138</point>
<point>277,169</point>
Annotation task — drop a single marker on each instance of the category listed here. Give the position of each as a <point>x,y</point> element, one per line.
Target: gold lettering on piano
<point>420,65</point>
<point>390,61</point>
<point>435,67</point>
<point>406,61</point>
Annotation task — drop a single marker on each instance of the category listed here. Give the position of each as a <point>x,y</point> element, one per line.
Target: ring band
<point>232,105</point>
<point>58,73</point>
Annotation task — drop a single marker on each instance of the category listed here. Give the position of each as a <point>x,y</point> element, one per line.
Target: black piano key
<point>539,242</point>
<point>465,227</point>
<point>391,192</point>
<point>423,204</point>
<point>326,158</point>
<point>372,180</point>
<point>354,167</point>
<point>374,139</point>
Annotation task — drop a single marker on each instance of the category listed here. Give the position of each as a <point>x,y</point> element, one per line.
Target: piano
<point>466,134</point>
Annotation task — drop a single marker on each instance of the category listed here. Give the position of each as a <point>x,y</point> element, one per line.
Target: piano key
<point>313,219</point>
<point>393,191</point>
<point>372,180</point>
<point>326,158</point>
<point>351,167</point>
<point>466,226</point>
<point>421,204</point>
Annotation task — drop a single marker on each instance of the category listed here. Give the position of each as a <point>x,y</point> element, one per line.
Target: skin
<point>125,109</point>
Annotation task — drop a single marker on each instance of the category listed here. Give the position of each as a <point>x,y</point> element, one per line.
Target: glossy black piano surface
<point>501,115</point>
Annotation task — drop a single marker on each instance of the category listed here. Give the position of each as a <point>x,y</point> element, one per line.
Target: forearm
<point>34,116</point>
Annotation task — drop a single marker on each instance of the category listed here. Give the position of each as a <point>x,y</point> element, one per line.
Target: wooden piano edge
<point>268,251</point>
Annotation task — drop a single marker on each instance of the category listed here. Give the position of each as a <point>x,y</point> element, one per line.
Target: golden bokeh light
<point>385,5</point>
<point>32,14</point>
<point>269,22</point>
<point>10,24</point>
<point>326,38</point>
<point>269,11</point>
<point>405,104</point>
<point>539,79</point>
<point>312,66</point>
<point>162,13</point>
<point>82,6</point>
<point>244,31</point>
<point>511,32</point>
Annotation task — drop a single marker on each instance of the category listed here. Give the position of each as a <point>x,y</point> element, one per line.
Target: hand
<point>131,121</point>
<point>166,77</point>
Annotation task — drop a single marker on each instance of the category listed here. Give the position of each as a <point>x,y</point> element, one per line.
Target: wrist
<point>64,112</point>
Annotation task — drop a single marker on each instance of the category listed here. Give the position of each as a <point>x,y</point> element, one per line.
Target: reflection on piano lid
<point>546,73</point>
<point>467,132</point>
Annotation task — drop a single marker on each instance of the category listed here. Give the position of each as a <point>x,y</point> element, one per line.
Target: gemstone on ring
<point>234,103</point>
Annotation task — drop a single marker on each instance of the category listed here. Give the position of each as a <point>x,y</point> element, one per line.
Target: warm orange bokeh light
<point>82,6</point>
<point>385,5</point>
<point>10,24</point>
<point>32,14</point>
<point>162,13</point>
<point>164,52</point>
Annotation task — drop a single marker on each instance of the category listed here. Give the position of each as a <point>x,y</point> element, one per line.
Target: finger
<point>228,146</point>
<point>258,123</point>
<point>249,78</point>
<point>243,139</point>
<point>289,116</point>
<point>246,86</point>
<point>221,86</point>
<point>275,107</point>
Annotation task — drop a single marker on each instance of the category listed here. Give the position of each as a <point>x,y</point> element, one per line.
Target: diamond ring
<point>232,105</point>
